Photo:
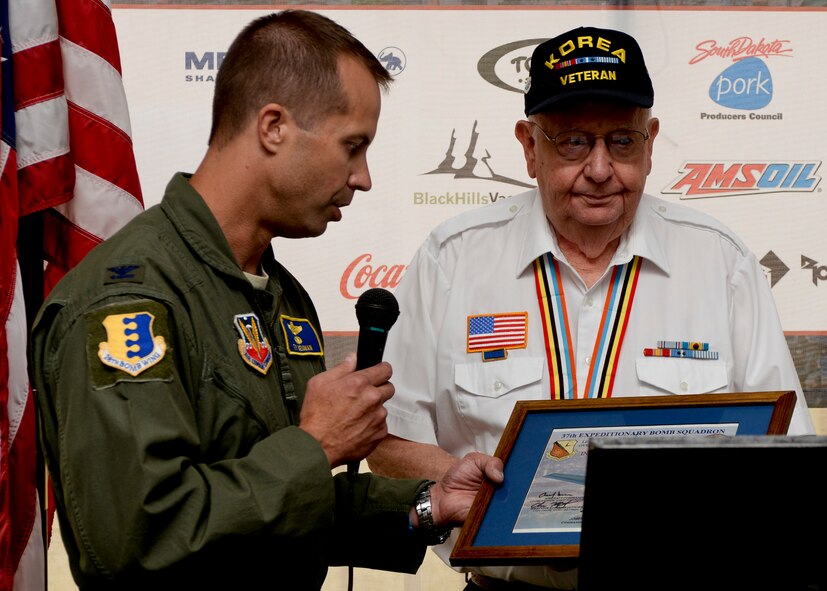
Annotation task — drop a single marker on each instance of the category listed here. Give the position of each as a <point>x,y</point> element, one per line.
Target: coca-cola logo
<point>362,274</point>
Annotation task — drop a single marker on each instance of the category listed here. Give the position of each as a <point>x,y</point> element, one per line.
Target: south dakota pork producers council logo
<point>745,85</point>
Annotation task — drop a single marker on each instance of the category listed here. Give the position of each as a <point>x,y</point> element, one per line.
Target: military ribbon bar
<point>691,345</point>
<point>686,353</point>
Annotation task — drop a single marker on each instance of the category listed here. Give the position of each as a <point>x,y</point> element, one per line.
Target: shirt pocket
<point>498,378</point>
<point>486,393</point>
<point>683,376</point>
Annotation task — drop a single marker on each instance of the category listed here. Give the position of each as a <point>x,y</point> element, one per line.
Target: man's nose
<point>599,161</point>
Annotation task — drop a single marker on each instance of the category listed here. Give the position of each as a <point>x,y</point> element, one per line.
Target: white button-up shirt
<point>698,282</point>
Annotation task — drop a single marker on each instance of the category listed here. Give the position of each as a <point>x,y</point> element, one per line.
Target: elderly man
<point>574,289</point>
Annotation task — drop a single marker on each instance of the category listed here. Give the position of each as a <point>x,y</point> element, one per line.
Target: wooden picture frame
<point>532,518</point>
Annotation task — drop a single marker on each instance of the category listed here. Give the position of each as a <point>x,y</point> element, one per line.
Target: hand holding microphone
<point>343,407</point>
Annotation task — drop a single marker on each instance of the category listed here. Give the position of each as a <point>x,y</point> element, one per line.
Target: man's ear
<point>273,123</point>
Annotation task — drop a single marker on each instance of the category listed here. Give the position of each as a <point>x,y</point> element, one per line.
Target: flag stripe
<point>93,84</point>
<point>67,151</point>
<point>92,195</point>
<point>90,135</point>
<point>46,183</point>
<point>32,23</point>
<point>37,138</point>
<point>88,24</point>
<point>21,434</point>
<point>65,243</point>
<point>36,83</point>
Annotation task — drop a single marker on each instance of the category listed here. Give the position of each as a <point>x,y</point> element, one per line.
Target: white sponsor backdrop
<point>440,94</point>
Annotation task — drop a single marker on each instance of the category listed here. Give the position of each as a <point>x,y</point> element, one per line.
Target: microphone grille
<point>377,308</point>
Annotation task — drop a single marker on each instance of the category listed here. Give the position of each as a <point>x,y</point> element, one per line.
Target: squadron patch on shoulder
<point>301,337</point>
<point>253,346</point>
<point>128,339</point>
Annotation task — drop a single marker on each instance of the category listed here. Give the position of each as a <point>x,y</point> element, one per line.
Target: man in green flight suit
<point>188,420</point>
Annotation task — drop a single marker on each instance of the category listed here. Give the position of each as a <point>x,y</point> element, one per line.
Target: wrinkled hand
<point>343,409</point>
<point>452,496</point>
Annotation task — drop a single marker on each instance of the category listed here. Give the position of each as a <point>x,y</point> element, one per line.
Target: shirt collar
<point>643,238</point>
<point>195,222</point>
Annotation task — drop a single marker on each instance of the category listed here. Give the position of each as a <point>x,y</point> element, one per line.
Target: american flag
<point>66,152</point>
<point>497,331</point>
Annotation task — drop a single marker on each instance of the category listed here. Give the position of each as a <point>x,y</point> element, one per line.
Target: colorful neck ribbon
<point>616,310</point>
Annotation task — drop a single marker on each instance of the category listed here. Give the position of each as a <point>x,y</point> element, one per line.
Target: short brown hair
<point>291,58</point>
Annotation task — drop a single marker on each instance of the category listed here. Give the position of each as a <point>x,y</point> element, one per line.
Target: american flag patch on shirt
<point>497,331</point>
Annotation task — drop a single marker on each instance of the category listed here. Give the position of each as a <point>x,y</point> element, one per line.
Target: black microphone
<point>376,311</point>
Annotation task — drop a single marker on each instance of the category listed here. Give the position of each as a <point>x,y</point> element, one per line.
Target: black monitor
<point>699,513</point>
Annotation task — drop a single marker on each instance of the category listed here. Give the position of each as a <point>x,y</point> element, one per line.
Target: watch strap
<point>427,530</point>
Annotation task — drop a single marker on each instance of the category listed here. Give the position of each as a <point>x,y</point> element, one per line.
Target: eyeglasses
<point>623,144</point>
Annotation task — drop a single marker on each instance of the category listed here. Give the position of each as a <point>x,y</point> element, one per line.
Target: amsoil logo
<point>700,180</point>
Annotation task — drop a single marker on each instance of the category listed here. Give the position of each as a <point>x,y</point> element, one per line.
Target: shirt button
<point>589,302</point>
<point>498,385</point>
<point>684,386</point>
<point>588,359</point>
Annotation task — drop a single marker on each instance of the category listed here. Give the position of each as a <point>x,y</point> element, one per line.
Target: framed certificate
<point>534,517</point>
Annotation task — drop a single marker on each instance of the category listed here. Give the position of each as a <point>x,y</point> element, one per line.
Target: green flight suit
<point>169,390</point>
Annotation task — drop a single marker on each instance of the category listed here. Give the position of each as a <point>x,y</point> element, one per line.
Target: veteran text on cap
<point>587,62</point>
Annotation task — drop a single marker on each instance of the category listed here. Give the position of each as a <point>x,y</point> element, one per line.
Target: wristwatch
<point>430,533</point>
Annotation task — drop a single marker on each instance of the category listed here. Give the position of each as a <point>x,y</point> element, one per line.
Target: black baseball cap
<point>587,62</point>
